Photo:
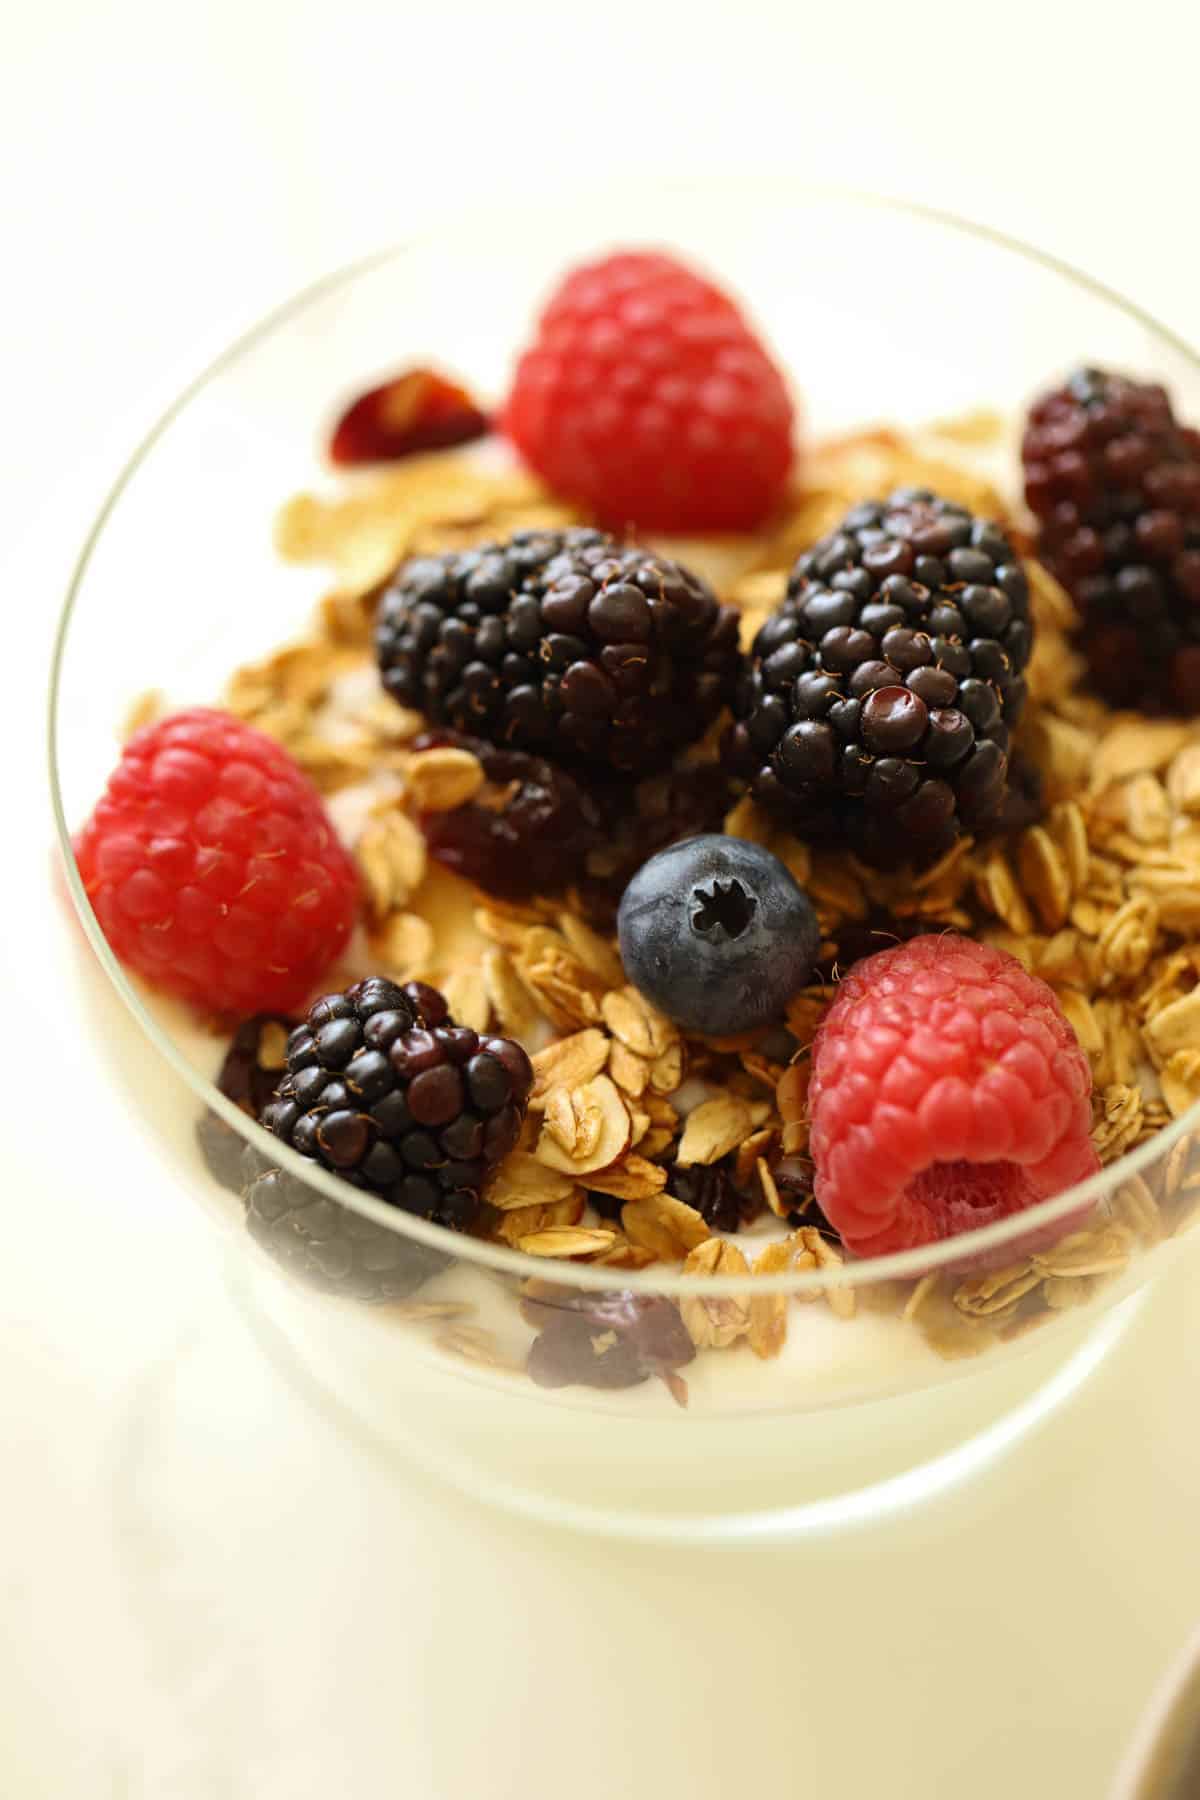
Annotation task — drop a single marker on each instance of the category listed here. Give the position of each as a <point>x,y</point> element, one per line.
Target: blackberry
<point>248,1076</point>
<point>565,643</point>
<point>332,1247</point>
<point>386,1091</point>
<point>878,702</point>
<point>1114,481</point>
<point>529,831</point>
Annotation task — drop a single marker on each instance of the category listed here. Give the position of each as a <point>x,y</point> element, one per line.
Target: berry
<point>716,933</point>
<point>605,1340</point>
<point>332,1247</point>
<point>384,1089</point>
<point>878,702</point>
<point>713,1191</point>
<point>528,831</point>
<point>948,1091</point>
<point>646,397</point>
<point>415,411</point>
<point>248,1076</point>
<point>1114,481</point>
<point>563,643</point>
<point>213,868</point>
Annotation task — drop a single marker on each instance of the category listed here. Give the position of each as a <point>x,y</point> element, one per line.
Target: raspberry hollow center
<point>965,1196</point>
<point>725,908</point>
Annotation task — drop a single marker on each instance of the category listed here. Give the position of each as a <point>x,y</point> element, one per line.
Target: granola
<point>1099,898</point>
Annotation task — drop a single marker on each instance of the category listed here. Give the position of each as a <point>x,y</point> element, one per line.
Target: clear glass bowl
<point>881,313</point>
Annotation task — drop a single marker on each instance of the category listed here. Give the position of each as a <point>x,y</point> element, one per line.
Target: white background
<point>206,1598</point>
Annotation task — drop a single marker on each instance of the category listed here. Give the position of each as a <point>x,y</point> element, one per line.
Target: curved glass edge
<point>905,1265</point>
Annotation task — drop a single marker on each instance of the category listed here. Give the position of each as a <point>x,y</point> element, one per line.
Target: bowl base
<point>719,1479</point>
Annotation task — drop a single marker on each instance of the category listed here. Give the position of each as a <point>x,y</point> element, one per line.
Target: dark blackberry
<point>386,1091</point>
<point>332,1247</point>
<point>568,644</point>
<point>877,705</point>
<point>528,831</point>
<point>248,1076</point>
<point>1114,481</point>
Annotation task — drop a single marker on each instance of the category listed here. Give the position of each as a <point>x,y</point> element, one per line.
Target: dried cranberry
<point>612,1340</point>
<point>418,410</point>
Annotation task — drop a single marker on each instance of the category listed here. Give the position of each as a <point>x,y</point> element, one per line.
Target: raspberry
<point>646,396</point>
<point>948,1091</point>
<point>213,868</point>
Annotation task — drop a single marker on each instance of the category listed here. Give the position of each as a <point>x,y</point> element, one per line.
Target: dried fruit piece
<point>419,410</point>
<point>605,1340</point>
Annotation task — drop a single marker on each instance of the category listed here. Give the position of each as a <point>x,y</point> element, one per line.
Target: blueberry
<point>716,933</point>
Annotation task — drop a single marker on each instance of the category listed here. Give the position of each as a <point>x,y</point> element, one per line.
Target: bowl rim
<point>903,1265</point>
<point>1167,1730</point>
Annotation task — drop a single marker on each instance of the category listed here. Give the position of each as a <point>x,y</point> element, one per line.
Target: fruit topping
<point>418,410</point>
<point>249,1075</point>
<point>213,868</point>
<point>332,1247</point>
<point>567,644</point>
<point>385,1090</point>
<point>878,703</point>
<point>646,397</point>
<point>948,1091</point>
<point>610,1340</point>
<point>716,933</point>
<point>1114,480</point>
<point>714,1193</point>
<point>528,830</point>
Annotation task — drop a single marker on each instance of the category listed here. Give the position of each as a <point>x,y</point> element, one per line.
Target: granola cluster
<point>1100,897</point>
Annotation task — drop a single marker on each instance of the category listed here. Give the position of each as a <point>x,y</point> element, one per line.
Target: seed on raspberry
<point>214,869</point>
<point>646,396</point>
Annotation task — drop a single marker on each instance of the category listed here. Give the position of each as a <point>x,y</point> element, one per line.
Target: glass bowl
<point>881,313</point>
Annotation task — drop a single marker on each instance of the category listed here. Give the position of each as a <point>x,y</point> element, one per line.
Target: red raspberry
<point>213,867</point>
<point>947,1091</point>
<point>646,397</point>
